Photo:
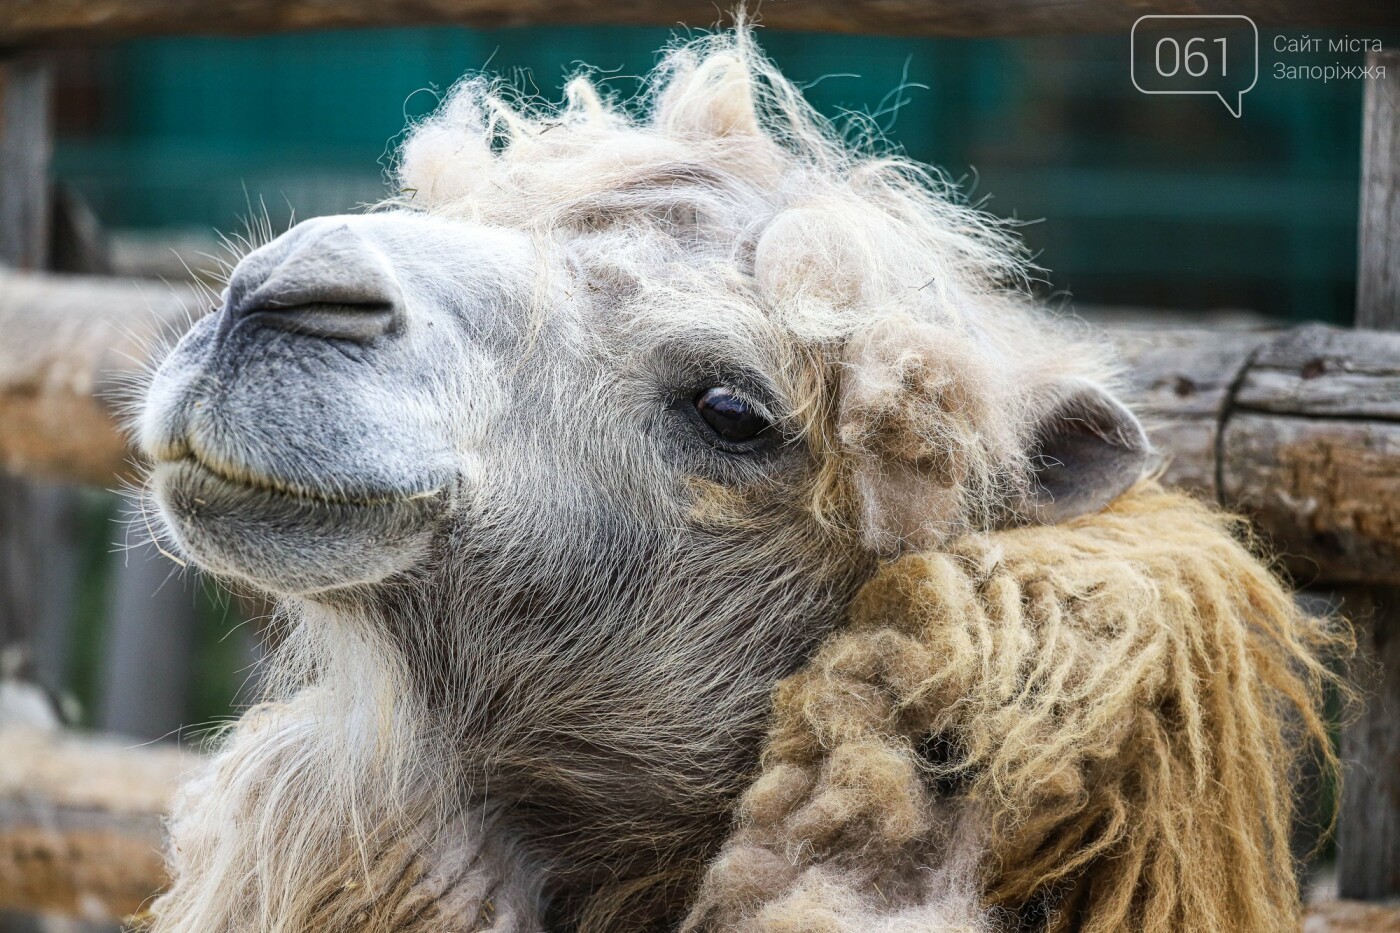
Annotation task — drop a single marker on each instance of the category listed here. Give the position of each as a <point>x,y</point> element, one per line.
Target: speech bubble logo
<point>1182,54</point>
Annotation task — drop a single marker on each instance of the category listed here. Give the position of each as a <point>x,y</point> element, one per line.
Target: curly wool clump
<point>1097,725</point>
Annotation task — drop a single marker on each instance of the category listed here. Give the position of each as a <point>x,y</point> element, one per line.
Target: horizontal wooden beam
<point>81,830</point>
<point>1299,428</point>
<point>72,352</point>
<point>48,22</point>
<point>81,822</point>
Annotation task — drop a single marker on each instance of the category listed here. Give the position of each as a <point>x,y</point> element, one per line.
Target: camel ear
<point>1087,449</point>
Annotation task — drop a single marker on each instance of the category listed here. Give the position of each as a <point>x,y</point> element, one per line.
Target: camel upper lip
<point>271,485</point>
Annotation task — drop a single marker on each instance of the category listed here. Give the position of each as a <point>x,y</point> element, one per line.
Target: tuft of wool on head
<point>904,309</point>
<point>1094,726</point>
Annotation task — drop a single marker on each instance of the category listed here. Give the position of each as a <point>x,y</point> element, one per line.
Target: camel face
<point>312,431</point>
<point>377,390</point>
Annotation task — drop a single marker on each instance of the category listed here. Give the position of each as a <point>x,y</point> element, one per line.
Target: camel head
<point>594,429</point>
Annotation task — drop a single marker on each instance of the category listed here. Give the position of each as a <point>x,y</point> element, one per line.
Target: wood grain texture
<point>1378,264</point>
<point>1368,823</point>
<point>71,348</point>
<point>1368,838</point>
<point>80,822</point>
<point>33,22</point>
<point>1324,372</point>
<point>1300,429</point>
<point>1312,451</point>
<point>1182,381</point>
<point>1325,492</point>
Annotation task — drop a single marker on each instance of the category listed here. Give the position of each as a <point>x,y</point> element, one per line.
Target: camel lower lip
<point>287,542</point>
<point>257,485</point>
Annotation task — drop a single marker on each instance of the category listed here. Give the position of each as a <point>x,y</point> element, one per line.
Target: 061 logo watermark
<point>1196,55</point>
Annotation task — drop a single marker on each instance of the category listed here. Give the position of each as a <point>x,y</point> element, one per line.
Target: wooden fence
<point>1299,428</point>
<point>27,23</point>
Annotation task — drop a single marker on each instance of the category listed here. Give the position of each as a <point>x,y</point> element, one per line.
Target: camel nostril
<point>329,283</point>
<point>361,322</point>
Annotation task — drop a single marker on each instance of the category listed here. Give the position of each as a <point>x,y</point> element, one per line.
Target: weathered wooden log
<point>70,348</point>
<point>1368,826</point>
<point>31,22</point>
<point>80,822</point>
<point>1300,428</point>
<point>1351,917</point>
<point>1313,447</point>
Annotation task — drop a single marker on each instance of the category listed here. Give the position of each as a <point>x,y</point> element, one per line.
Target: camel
<point>683,517</point>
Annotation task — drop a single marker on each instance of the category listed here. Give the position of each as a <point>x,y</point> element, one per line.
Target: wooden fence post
<point>25,142</point>
<point>25,146</point>
<point>1368,831</point>
<point>148,653</point>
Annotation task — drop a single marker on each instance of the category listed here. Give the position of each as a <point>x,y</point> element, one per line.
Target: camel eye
<point>729,415</point>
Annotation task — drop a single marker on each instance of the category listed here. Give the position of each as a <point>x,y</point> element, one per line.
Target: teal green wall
<point>1165,201</point>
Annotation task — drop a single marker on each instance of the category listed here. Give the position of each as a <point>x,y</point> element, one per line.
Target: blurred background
<point>1157,201</point>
